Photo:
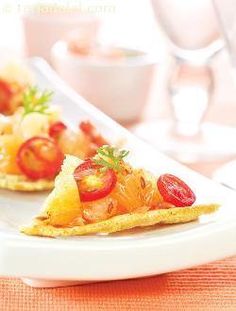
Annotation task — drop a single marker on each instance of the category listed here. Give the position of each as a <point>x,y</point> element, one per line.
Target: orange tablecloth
<point>210,287</point>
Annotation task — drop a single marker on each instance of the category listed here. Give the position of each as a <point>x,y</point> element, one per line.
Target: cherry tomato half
<point>89,129</point>
<point>39,157</point>
<point>175,191</point>
<point>56,129</point>
<point>5,96</point>
<point>94,184</point>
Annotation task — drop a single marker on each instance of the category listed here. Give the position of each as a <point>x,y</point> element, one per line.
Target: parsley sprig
<point>35,100</point>
<point>110,157</point>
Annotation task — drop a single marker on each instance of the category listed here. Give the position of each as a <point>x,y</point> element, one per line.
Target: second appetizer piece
<point>33,142</point>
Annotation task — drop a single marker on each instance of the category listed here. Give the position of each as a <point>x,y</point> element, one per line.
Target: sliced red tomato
<point>90,130</point>
<point>56,129</point>
<point>5,96</point>
<point>175,191</point>
<point>94,183</point>
<point>39,157</point>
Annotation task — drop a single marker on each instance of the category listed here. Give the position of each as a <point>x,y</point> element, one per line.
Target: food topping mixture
<point>109,186</point>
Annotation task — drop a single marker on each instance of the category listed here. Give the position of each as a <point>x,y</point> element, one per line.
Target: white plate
<point>131,254</point>
<point>226,175</point>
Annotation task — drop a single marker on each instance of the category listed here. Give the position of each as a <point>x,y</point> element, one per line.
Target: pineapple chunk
<point>63,206</point>
<point>33,124</point>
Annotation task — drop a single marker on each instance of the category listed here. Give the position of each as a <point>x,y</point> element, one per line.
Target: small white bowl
<point>41,31</point>
<point>118,88</point>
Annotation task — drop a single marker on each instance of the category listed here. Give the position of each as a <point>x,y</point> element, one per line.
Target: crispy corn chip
<point>21,183</point>
<point>124,222</point>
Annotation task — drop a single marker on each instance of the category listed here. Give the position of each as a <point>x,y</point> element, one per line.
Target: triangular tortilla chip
<point>124,222</point>
<point>21,183</point>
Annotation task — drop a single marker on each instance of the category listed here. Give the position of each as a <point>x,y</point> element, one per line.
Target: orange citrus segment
<point>135,190</point>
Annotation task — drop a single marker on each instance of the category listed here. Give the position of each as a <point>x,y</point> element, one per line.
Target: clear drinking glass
<point>192,33</point>
<point>226,14</point>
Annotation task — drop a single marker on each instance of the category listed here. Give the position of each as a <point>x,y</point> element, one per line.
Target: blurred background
<point>158,67</point>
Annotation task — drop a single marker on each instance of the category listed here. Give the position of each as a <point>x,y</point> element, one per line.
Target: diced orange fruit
<point>136,190</point>
<point>9,146</point>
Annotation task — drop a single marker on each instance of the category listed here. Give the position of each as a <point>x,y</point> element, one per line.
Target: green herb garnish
<point>35,100</point>
<point>110,157</point>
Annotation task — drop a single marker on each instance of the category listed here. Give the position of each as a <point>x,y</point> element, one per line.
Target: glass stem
<point>190,89</point>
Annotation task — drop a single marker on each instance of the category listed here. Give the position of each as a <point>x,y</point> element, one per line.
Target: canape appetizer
<point>33,142</point>
<point>105,194</point>
<point>15,78</point>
